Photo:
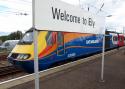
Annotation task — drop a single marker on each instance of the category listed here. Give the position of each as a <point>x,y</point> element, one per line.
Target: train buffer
<point>84,75</point>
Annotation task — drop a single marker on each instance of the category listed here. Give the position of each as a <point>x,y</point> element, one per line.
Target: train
<point>55,47</point>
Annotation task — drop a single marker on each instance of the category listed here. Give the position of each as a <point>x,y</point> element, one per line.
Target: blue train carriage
<point>53,47</point>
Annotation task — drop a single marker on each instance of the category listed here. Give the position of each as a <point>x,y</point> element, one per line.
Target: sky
<point>17,14</point>
<point>12,16</point>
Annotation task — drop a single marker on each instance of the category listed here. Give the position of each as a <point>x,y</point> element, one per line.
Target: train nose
<point>10,59</point>
<point>19,56</point>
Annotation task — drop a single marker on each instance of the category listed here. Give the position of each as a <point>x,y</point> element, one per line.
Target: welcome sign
<point>59,16</point>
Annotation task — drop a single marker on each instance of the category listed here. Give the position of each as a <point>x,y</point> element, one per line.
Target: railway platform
<point>86,75</point>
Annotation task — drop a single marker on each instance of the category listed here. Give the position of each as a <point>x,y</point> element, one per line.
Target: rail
<point>8,70</point>
<point>3,55</point>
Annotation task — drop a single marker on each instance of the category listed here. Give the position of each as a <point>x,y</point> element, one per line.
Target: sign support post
<point>36,68</point>
<point>124,38</point>
<point>103,57</point>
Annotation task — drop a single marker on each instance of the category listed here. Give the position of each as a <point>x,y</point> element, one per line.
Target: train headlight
<point>23,56</point>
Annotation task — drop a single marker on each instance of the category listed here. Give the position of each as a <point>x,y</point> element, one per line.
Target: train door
<point>60,44</point>
<point>121,40</point>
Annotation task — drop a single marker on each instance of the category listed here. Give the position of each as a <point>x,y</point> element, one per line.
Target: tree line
<point>12,36</point>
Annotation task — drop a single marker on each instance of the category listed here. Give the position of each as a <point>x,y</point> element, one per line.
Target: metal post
<point>124,39</point>
<point>103,54</point>
<point>36,69</point>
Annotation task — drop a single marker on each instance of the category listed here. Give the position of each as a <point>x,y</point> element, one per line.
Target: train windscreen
<point>27,39</point>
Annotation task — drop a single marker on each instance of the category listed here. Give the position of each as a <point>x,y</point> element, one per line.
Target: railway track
<point>8,70</point>
<point>3,55</point>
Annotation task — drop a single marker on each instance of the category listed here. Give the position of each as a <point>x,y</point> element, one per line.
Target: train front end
<point>23,53</point>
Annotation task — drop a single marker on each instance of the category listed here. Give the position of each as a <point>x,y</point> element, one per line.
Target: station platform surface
<point>86,75</point>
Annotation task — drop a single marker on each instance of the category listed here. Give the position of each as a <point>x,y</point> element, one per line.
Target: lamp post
<point>124,38</point>
<point>103,55</point>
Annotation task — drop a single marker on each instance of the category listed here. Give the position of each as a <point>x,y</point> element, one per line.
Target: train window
<point>7,44</point>
<point>115,38</point>
<point>49,39</point>
<point>27,39</point>
<point>60,38</point>
<point>120,39</point>
<point>54,37</point>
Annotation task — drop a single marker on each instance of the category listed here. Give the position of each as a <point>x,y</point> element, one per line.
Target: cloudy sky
<point>17,14</point>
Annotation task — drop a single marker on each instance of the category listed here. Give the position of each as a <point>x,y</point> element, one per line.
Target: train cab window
<point>49,39</point>
<point>27,39</point>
